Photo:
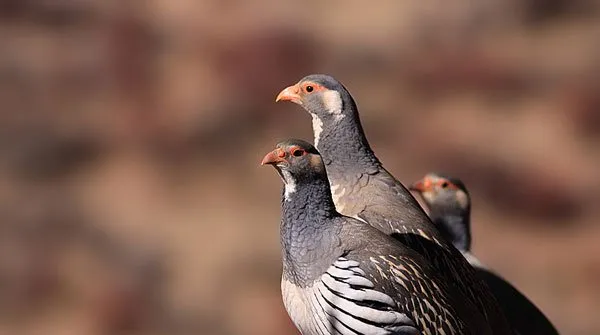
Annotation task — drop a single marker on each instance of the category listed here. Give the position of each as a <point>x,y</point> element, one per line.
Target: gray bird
<point>342,276</point>
<point>449,205</point>
<point>364,190</point>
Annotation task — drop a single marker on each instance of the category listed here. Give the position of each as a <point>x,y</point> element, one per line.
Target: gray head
<point>449,206</point>
<point>297,162</point>
<point>320,95</point>
<point>327,101</point>
<point>442,193</point>
<point>338,134</point>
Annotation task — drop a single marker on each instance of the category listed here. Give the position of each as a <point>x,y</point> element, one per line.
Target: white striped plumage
<point>343,301</point>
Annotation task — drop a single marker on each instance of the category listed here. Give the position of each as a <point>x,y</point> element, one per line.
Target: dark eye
<point>445,184</point>
<point>309,88</point>
<point>298,152</point>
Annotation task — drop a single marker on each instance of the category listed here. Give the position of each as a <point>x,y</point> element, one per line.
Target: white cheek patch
<point>333,103</point>
<point>462,199</point>
<point>290,184</point>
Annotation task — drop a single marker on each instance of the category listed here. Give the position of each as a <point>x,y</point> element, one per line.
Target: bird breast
<point>343,301</point>
<point>294,298</point>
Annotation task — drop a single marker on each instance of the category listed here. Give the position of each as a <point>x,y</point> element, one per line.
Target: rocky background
<point>131,196</point>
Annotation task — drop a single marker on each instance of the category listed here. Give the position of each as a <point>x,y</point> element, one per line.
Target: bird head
<point>442,194</point>
<point>296,161</point>
<point>321,95</point>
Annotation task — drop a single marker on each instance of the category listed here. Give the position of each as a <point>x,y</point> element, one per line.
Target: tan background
<point>131,196</point>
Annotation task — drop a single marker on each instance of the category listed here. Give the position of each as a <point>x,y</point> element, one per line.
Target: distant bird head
<point>443,195</point>
<point>296,161</point>
<point>449,207</point>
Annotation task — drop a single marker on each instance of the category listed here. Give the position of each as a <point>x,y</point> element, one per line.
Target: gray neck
<point>342,142</point>
<point>455,226</point>
<point>307,228</point>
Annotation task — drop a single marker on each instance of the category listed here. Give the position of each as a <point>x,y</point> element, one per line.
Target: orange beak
<point>420,185</point>
<point>274,157</point>
<point>290,93</point>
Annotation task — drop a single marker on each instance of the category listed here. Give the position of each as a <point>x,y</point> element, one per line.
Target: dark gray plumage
<point>342,276</point>
<point>449,207</point>
<point>363,189</point>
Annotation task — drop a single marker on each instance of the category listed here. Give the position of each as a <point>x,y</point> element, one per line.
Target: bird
<point>449,205</point>
<point>343,276</point>
<point>363,189</point>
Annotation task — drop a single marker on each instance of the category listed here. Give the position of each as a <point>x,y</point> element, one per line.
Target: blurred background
<point>131,196</point>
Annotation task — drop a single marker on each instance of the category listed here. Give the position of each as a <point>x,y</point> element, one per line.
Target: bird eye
<point>445,184</point>
<point>309,88</point>
<point>297,152</point>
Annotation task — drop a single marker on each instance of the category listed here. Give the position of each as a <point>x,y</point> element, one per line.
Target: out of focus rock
<point>452,71</point>
<point>255,65</point>
<point>581,104</point>
<point>36,153</point>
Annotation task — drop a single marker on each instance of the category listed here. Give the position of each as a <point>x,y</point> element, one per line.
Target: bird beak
<point>290,94</point>
<point>274,157</point>
<point>420,185</point>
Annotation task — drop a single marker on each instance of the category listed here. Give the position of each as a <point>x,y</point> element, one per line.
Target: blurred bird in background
<point>449,205</point>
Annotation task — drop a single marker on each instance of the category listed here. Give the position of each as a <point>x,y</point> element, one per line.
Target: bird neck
<point>310,194</point>
<point>307,228</point>
<point>306,211</point>
<point>455,227</point>
<point>341,141</point>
